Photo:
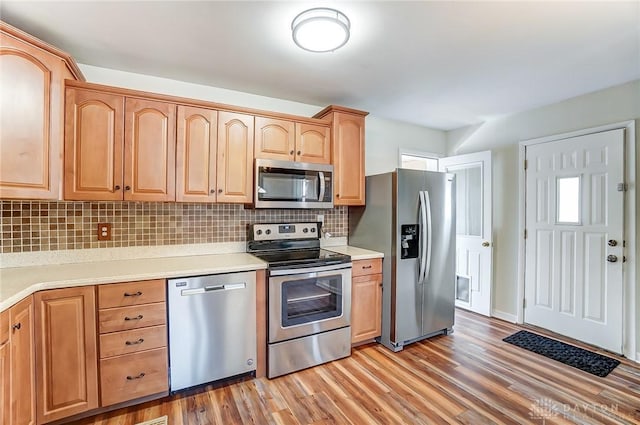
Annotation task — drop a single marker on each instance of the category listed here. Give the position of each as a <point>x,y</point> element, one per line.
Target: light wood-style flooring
<point>469,377</point>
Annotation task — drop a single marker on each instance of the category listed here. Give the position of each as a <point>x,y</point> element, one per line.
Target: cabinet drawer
<point>364,267</point>
<point>131,293</point>
<point>4,327</point>
<point>138,316</point>
<point>127,342</point>
<point>132,376</point>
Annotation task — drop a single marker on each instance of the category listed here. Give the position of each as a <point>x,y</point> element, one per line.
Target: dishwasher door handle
<point>213,288</point>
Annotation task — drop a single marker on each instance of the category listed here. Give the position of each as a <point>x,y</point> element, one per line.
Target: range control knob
<point>313,230</point>
<point>268,231</point>
<point>305,230</point>
<point>258,232</point>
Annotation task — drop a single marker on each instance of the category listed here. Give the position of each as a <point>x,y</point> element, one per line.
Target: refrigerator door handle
<point>429,236</point>
<point>423,238</point>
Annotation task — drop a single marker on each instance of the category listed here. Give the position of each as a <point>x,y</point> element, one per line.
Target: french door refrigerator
<point>410,217</point>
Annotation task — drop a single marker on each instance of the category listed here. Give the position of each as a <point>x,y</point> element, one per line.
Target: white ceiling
<point>438,64</point>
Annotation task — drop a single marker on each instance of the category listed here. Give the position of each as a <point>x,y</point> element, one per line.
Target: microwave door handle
<point>322,186</point>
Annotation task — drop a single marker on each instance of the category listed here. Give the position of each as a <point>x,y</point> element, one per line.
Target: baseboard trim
<point>512,318</point>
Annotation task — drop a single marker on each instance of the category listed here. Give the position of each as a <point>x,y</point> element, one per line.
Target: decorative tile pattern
<point>47,226</point>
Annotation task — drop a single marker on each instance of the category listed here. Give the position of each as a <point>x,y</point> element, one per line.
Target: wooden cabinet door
<point>348,159</point>
<point>30,123</point>
<point>235,157</point>
<point>93,145</point>
<point>5,369</point>
<point>150,147</point>
<point>196,154</point>
<point>313,143</point>
<point>274,139</point>
<point>366,307</point>
<point>66,362</point>
<point>23,400</point>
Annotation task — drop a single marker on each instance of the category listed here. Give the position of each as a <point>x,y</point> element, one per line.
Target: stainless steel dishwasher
<point>212,328</point>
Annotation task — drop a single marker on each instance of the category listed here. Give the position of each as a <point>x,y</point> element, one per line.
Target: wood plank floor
<point>469,377</point>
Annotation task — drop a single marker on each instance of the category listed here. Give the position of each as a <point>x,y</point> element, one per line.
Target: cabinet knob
<point>17,326</point>
<point>337,195</point>
<point>117,187</point>
<point>140,341</point>
<point>291,153</point>
<point>298,153</point>
<point>127,188</point>
<point>219,190</point>
<point>138,317</point>
<point>212,191</point>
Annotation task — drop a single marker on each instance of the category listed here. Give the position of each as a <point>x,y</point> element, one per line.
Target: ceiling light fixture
<point>321,29</point>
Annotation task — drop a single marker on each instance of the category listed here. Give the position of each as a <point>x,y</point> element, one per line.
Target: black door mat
<point>594,363</point>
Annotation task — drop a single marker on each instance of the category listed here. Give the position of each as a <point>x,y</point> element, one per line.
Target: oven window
<point>310,300</point>
<point>289,185</point>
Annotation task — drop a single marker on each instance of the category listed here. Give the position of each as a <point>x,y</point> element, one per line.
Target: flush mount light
<point>320,29</point>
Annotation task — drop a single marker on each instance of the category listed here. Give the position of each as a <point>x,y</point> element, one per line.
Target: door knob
<point>612,242</point>
<point>612,258</point>
<point>486,244</point>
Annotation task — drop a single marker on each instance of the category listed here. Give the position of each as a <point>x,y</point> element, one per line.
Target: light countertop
<point>16,283</point>
<point>19,282</point>
<point>355,253</point>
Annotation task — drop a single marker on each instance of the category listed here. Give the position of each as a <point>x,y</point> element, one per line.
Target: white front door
<point>473,229</point>
<point>574,229</point>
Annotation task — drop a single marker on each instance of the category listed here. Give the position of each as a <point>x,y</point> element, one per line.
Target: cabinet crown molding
<point>8,30</point>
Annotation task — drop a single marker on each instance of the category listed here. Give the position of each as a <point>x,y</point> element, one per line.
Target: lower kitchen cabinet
<point>366,300</point>
<point>133,376</point>
<point>21,364</point>
<point>66,347</point>
<point>133,340</point>
<point>5,371</point>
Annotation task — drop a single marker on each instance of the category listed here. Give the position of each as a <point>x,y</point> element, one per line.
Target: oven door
<point>308,301</point>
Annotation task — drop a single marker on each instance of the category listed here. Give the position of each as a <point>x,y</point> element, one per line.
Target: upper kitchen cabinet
<point>347,153</point>
<point>235,157</point>
<point>292,141</point>
<point>196,162</point>
<point>150,149</point>
<point>32,114</point>
<point>118,147</point>
<point>94,141</point>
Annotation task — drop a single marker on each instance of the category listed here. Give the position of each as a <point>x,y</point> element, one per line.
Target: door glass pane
<point>310,300</point>
<point>568,196</point>
<point>468,200</point>
<point>414,162</point>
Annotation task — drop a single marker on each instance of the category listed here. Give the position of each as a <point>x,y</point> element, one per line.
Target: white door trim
<point>630,307</point>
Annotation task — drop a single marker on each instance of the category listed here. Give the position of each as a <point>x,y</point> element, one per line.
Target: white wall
<point>382,137</point>
<point>502,135</point>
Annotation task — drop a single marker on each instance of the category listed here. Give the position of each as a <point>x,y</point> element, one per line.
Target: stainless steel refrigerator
<point>410,217</point>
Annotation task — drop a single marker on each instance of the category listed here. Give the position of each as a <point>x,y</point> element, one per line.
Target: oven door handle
<point>309,270</point>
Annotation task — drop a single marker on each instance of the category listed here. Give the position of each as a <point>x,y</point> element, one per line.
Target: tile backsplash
<point>47,226</point>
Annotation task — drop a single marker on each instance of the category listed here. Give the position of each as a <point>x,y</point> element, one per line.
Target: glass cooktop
<point>301,258</point>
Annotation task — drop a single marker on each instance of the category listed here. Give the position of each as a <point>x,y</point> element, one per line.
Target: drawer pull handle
<point>140,341</point>
<point>135,294</point>
<point>17,326</point>
<point>366,267</point>
<point>138,317</point>
<point>131,378</point>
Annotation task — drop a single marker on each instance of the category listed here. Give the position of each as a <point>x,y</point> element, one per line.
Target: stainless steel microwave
<point>285,184</point>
